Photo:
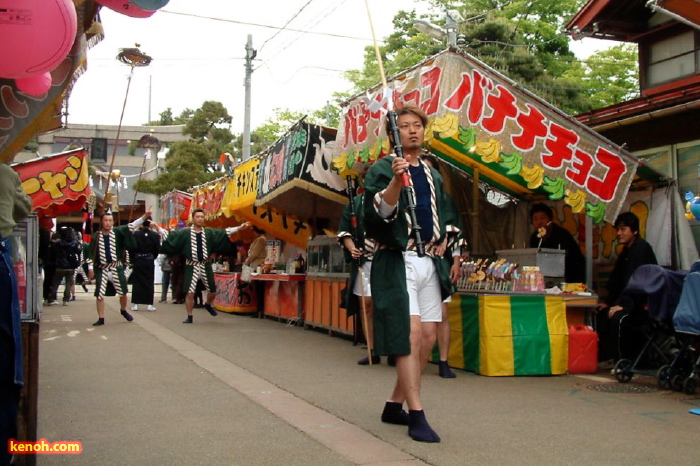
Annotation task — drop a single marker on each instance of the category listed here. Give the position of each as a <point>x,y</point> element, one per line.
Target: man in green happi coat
<point>197,245</point>
<point>107,250</point>
<point>407,289</point>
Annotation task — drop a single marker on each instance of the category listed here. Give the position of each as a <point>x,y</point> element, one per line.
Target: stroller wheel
<point>623,370</point>
<point>664,375</point>
<point>689,386</point>
<point>677,383</point>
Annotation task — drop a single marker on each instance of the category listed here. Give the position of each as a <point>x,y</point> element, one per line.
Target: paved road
<point>235,390</point>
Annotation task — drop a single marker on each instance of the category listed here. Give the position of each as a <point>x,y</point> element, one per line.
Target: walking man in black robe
<point>143,260</point>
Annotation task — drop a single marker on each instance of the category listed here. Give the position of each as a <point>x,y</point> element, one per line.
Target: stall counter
<point>322,305</point>
<point>283,295</point>
<point>511,334</point>
<point>233,295</point>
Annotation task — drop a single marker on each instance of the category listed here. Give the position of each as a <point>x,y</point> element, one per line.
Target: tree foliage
<point>522,39</point>
<point>194,162</point>
<point>186,165</point>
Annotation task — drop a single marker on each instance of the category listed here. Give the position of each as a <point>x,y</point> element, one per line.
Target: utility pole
<point>250,54</point>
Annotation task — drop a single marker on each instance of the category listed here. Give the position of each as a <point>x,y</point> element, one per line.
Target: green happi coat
<point>124,240</point>
<point>352,303</point>
<point>179,243</point>
<point>390,299</point>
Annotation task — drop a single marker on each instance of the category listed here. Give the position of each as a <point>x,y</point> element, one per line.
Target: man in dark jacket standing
<point>67,251</point>
<point>143,259</point>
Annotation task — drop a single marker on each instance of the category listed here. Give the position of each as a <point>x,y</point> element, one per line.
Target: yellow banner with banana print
<point>481,120</point>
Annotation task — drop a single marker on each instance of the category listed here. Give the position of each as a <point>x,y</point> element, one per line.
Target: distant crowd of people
<point>117,256</point>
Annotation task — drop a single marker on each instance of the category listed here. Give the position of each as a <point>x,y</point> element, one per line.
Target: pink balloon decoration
<point>126,8</point>
<point>35,85</point>
<point>35,36</point>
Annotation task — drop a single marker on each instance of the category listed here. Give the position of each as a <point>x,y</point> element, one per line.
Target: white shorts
<point>423,285</point>
<point>357,287</point>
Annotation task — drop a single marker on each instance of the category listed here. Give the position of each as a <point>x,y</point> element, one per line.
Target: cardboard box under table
<point>500,335</point>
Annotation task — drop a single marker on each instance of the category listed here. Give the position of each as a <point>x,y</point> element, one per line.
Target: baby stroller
<point>686,321</point>
<point>659,291</point>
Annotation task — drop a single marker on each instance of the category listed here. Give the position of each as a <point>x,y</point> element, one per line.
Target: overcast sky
<point>198,50</point>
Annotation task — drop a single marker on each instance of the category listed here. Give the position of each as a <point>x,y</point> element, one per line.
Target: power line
<point>299,36</point>
<point>285,25</point>
<point>265,26</point>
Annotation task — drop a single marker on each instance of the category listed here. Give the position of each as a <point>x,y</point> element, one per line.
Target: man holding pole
<point>358,251</point>
<point>407,219</point>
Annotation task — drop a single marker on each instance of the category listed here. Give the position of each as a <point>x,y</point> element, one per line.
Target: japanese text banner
<point>479,119</point>
<point>57,184</point>
<point>242,190</point>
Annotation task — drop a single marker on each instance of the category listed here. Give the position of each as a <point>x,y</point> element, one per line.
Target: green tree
<point>521,39</point>
<point>186,165</point>
<point>194,162</point>
<point>166,118</point>
<point>211,121</point>
<point>612,75</point>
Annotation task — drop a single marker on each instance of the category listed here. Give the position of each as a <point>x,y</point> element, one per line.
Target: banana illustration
<point>386,147</point>
<point>340,163</point>
<point>577,200</point>
<point>364,154</point>
<point>595,211</point>
<point>467,136</point>
<point>490,151</point>
<point>533,176</point>
<point>429,134</point>
<point>513,162</point>
<point>376,149</point>
<point>447,126</point>
<point>555,187</point>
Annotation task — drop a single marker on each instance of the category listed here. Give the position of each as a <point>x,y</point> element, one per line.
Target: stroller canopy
<point>662,288</point>
<point>687,316</point>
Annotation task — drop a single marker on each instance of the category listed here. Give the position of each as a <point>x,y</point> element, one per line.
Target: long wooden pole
<point>116,139</point>
<point>407,190</point>
<point>370,342</point>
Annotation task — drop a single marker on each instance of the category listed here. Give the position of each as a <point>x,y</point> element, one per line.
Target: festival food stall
<point>175,208</point>
<point>230,201</point>
<point>294,176</point>
<point>503,148</point>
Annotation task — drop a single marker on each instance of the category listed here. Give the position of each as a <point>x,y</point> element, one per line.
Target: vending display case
<point>325,258</point>
<point>326,276</point>
<point>24,242</point>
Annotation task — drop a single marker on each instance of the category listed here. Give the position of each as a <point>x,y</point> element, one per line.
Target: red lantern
<point>35,36</point>
<point>35,85</point>
<point>126,8</point>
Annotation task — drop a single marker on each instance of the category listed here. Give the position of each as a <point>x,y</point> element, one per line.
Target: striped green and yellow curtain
<point>502,335</point>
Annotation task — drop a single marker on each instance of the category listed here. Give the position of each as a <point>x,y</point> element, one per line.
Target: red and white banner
<point>58,184</point>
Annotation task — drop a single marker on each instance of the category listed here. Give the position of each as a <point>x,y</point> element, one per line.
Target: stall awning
<point>294,175</point>
<point>481,120</point>
<point>58,184</point>
<point>232,200</point>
